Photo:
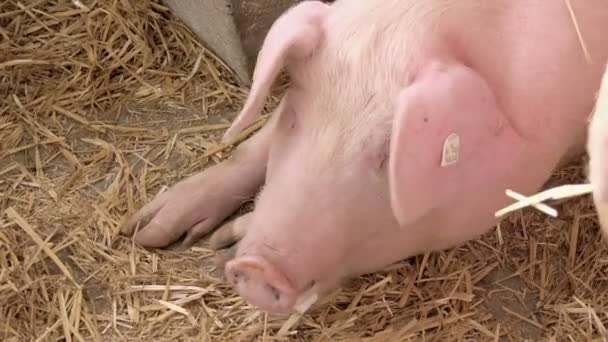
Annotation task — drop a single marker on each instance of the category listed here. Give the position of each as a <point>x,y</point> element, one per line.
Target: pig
<point>403,124</point>
<point>597,150</point>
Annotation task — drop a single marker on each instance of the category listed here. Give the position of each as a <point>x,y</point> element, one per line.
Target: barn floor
<point>104,102</point>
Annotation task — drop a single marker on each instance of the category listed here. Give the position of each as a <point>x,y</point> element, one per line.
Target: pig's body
<point>354,180</point>
<point>597,148</point>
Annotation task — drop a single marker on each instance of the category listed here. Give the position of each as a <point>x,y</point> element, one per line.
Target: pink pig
<point>404,123</point>
<point>597,149</point>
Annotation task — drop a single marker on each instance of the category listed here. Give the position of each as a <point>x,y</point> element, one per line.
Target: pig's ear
<point>449,140</point>
<point>294,36</point>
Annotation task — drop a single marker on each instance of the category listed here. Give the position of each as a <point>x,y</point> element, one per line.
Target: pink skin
<point>597,149</point>
<point>353,178</point>
<point>196,205</point>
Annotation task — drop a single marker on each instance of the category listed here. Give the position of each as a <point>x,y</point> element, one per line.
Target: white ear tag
<point>305,303</point>
<point>451,150</point>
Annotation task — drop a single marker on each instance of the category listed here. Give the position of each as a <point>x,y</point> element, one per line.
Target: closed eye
<point>382,155</point>
<point>288,118</point>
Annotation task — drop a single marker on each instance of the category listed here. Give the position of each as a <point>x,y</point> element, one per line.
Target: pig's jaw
<point>263,285</point>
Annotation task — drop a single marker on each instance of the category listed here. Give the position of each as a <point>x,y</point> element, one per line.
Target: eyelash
<point>383,155</point>
<point>290,116</point>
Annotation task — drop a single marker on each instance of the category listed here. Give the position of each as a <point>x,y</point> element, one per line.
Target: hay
<point>105,103</point>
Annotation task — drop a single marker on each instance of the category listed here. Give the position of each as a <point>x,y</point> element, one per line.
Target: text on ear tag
<point>451,150</point>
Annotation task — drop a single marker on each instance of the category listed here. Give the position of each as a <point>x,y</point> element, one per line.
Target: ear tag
<point>451,150</point>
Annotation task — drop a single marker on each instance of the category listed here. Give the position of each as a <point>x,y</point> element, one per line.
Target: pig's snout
<point>260,283</point>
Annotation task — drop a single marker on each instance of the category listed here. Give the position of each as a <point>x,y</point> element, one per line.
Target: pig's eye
<point>383,160</point>
<point>376,154</point>
<point>291,118</point>
<point>383,153</point>
<point>288,119</point>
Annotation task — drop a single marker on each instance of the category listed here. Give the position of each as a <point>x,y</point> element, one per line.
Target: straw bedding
<point>104,103</point>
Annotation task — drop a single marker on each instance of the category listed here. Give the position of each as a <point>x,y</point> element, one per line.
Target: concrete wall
<point>233,29</point>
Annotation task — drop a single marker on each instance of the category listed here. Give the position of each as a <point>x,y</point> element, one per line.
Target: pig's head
<point>331,173</point>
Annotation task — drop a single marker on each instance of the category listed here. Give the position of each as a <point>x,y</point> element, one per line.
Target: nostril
<point>260,283</point>
<point>275,293</point>
<point>235,275</point>
<point>240,276</point>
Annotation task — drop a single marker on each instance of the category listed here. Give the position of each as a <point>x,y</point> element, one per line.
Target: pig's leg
<point>597,148</point>
<point>225,239</point>
<point>230,232</point>
<point>199,203</point>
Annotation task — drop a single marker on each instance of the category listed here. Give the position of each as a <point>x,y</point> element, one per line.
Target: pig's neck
<point>532,58</point>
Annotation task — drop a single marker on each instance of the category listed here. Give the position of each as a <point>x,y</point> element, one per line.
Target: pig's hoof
<point>261,284</point>
<point>230,233</point>
<point>223,256</point>
<point>169,217</point>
